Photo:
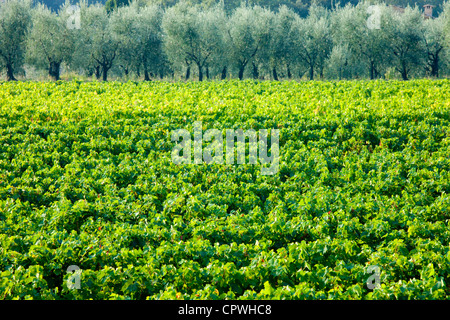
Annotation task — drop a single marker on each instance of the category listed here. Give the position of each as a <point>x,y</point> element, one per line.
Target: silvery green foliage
<point>97,45</point>
<point>338,63</point>
<point>434,40</point>
<point>282,52</point>
<point>266,32</point>
<point>214,26</point>
<point>177,21</point>
<point>192,35</point>
<point>50,42</point>
<point>446,17</point>
<point>313,41</point>
<point>15,19</point>
<point>403,34</point>
<point>249,34</point>
<point>138,32</point>
<point>220,61</point>
<point>359,28</point>
<point>124,27</point>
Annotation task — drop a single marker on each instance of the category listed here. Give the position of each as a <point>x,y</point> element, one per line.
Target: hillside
<point>300,6</point>
<point>55,4</point>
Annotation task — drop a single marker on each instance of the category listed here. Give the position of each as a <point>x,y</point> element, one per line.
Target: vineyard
<point>87,179</point>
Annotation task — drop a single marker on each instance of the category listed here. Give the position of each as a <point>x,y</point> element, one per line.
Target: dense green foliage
<point>111,5</point>
<point>301,7</point>
<point>196,41</point>
<point>86,179</point>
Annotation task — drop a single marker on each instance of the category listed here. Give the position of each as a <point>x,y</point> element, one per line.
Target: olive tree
<point>97,45</point>
<point>313,42</point>
<point>50,42</point>
<point>138,32</point>
<point>434,40</point>
<point>249,35</point>
<point>359,28</point>
<point>338,64</point>
<point>282,53</point>
<point>15,19</point>
<point>404,39</point>
<point>446,17</point>
<point>192,35</point>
